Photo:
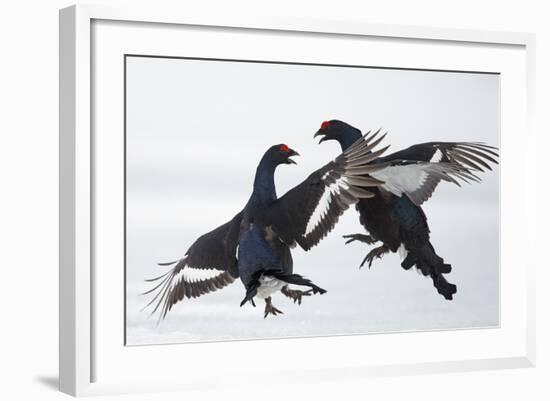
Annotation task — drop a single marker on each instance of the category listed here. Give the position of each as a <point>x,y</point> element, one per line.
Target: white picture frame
<point>89,341</point>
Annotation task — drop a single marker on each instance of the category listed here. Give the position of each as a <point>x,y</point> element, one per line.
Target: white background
<point>196,130</point>
<point>28,158</point>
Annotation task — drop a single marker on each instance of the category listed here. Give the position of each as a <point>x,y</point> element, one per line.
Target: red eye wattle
<point>284,148</point>
<point>325,124</point>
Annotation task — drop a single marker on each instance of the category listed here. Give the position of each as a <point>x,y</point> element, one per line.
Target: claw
<point>359,237</point>
<point>296,295</point>
<point>376,253</point>
<point>270,309</point>
<point>363,262</point>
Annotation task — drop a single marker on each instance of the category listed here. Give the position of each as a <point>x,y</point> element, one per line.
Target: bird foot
<point>376,253</point>
<point>296,295</point>
<point>270,309</point>
<point>367,239</point>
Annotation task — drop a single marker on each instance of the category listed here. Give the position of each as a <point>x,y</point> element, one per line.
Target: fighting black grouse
<point>255,244</point>
<point>394,216</point>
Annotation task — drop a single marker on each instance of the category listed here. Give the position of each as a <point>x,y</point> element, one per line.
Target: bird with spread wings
<point>394,216</point>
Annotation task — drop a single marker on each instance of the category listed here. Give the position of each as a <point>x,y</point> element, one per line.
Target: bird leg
<point>270,309</point>
<point>296,295</point>
<point>367,239</point>
<point>376,253</point>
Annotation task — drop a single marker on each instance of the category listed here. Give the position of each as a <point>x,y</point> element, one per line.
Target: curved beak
<point>292,152</point>
<point>322,133</point>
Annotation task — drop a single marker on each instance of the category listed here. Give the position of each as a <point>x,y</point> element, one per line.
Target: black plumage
<point>394,215</point>
<point>255,245</point>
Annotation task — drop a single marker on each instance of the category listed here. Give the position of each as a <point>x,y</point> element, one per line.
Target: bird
<point>394,216</point>
<point>254,246</point>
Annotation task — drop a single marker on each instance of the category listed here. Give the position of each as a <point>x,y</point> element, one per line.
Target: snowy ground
<point>384,298</point>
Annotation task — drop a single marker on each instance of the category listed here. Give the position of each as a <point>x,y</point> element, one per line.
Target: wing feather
<point>309,211</point>
<point>426,151</point>
<point>458,160</point>
<point>213,251</point>
<point>418,180</point>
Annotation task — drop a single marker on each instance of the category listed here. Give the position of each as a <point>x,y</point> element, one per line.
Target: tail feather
<point>296,279</point>
<point>252,289</point>
<point>290,278</point>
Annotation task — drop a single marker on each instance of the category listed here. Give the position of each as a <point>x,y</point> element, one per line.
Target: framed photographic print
<point>345,192</point>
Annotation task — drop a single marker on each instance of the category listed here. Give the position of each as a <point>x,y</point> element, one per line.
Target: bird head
<point>339,131</point>
<point>281,154</point>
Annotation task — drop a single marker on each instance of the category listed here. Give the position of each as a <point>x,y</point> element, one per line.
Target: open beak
<point>291,153</point>
<point>322,133</point>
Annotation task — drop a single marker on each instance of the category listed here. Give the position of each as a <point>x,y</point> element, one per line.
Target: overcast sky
<point>195,133</point>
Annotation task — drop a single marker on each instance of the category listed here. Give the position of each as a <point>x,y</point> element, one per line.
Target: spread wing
<point>309,211</point>
<point>214,251</point>
<point>418,180</point>
<point>435,162</point>
<point>474,155</point>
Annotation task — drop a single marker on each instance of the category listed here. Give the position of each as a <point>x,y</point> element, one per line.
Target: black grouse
<point>398,221</point>
<point>255,244</point>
